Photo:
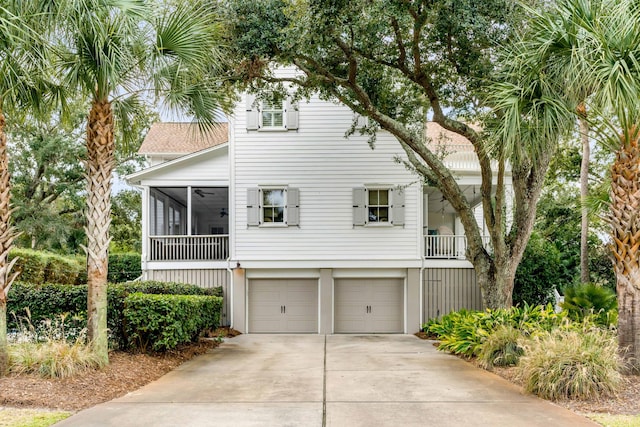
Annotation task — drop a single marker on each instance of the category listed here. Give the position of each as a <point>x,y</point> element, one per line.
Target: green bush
<point>589,300</point>
<point>464,332</point>
<point>61,269</point>
<point>51,300</point>
<point>537,275</point>
<point>501,348</point>
<point>40,267</point>
<point>124,267</point>
<point>30,264</point>
<point>577,364</point>
<point>161,322</point>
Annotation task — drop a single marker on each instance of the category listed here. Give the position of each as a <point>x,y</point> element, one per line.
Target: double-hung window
<point>272,115</point>
<point>268,115</point>
<point>273,206</point>
<point>378,205</point>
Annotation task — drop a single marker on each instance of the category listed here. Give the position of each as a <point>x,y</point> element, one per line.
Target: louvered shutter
<point>293,207</point>
<point>253,114</point>
<point>291,109</point>
<point>397,206</point>
<point>359,206</point>
<point>253,206</point>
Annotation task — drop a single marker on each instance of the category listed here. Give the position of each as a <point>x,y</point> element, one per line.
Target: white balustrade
<point>189,248</point>
<point>448,246</point>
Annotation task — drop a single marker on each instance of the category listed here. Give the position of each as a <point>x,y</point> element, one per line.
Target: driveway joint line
<point>324,385</point>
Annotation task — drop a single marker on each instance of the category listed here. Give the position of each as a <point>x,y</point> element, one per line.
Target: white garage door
<point>369,306</point>
<point>283,306</point>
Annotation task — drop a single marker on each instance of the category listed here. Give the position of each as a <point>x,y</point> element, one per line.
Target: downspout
<point>231,289</point>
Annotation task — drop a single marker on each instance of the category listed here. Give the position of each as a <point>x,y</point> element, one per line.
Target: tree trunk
<point>7,235</point>
<point>4,345</point>
<point>625,229</point>
<point>584,192</point>
<point>99,168</point>
<point>629,319</point>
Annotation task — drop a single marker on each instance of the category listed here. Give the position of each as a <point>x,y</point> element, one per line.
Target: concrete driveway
<point>333,380</point>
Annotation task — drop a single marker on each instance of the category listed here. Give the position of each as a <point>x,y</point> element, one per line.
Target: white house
<point>307,231</point>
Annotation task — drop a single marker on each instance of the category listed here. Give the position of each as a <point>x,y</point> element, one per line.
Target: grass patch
<point>608,420</point>
<point>10,417</point>
<point>52,359</point>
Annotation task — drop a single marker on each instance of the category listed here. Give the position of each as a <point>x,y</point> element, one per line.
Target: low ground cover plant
<point>558,355</point>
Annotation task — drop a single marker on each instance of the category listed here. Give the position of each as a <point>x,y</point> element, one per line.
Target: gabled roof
<point>182,138</point>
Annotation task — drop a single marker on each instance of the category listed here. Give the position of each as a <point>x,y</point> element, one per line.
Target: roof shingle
<point>182,138</point>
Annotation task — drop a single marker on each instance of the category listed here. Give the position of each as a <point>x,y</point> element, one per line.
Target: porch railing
<point>189,248</point>
<point>448,246</point>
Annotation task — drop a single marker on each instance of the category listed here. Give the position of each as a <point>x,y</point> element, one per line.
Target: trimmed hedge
<point>124,267</point>
<point>162,322</point>
<point>50,300</point>
<point>40,267</point>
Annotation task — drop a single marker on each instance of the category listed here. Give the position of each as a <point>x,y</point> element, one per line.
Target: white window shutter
<point>292,114</point>
<point>253,206</point>
<point>253,115</point>
<point>397,206</point>
<point>293,206</point>
<point>359,206</point>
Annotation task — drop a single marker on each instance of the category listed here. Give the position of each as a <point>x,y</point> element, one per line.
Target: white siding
<point>212,166</point>
<point>325,167</point>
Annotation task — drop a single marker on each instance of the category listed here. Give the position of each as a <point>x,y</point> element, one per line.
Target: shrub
<point>40,267</point>
<point>124,267</point>
<point>464,332</point>
<point>501,348</point>
<point>579,364</point>
<point>537,275</point>
<point>590,300</point>
<point>161,322</point>
<point>61,269</point>
<point>30,264</point>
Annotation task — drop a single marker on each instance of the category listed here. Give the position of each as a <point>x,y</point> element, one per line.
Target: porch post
<point>188,210</point>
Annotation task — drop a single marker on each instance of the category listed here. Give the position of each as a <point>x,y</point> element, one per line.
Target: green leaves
<point>161,322</point>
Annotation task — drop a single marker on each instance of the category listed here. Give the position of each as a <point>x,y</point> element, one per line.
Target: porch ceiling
<point>436,199</point>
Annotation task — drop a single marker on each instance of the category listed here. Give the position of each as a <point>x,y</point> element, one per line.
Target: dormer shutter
<point>253,114</point>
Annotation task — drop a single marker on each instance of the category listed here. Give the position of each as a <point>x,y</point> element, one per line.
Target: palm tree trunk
<point>584,193</point>
<point>99,168</point>
<point>7,235</point>
<point>624,217</point>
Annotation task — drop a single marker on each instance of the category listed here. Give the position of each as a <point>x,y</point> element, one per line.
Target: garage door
<point>369,306</point>
<point>283,306</point>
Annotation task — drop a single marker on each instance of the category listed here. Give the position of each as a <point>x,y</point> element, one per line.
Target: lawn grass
<point>13,417</point>
<point>616,420</point>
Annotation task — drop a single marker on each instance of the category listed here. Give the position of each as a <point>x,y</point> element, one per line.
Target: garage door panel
<point>283,306</point>
<point>369,306</point>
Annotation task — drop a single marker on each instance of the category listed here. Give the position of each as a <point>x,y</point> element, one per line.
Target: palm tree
<point>20,92</point>
<point>120,54</point>
<point>591,48</point>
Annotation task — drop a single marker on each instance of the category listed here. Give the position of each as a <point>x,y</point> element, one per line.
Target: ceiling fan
<point>201,193</point>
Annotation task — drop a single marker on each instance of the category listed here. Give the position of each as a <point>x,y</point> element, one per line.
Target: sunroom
<point>188,223</point>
